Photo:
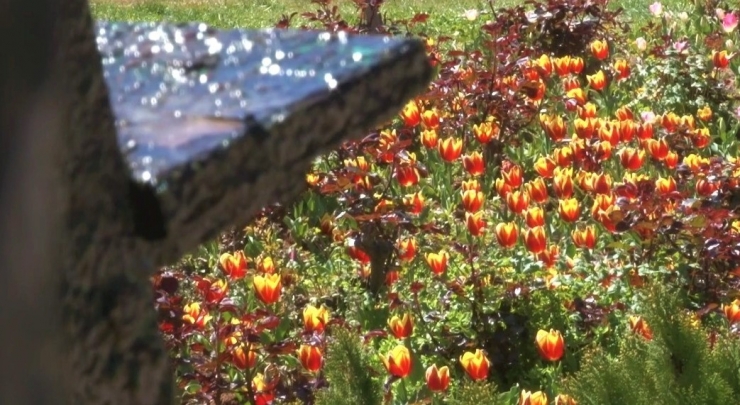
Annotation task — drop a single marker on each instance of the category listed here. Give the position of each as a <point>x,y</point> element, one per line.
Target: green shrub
<point>684,363</point>
<point>347,371</point>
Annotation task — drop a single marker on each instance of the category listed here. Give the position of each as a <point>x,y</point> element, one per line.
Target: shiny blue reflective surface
<point>182,92</point>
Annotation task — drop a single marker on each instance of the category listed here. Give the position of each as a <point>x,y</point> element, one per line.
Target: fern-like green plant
<point>347,369</point>
<point>477,393</point>
<point>677,367</point>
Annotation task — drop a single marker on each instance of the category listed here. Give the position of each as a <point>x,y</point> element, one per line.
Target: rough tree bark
<point>76,313</point>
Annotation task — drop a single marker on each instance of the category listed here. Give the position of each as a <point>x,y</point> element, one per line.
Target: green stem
<point>404,391</point>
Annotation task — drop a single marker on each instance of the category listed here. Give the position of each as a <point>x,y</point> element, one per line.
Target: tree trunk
<point>370,19</point>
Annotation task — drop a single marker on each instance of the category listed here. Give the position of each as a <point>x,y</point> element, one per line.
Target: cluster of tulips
<point>457,201</point>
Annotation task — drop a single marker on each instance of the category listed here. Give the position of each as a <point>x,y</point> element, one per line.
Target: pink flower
<point>680,46</point>
<point>729,22</point>
<point>656,9</point>
<point>648,117</point>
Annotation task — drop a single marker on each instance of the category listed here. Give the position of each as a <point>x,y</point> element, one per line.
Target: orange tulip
<point>401,327</point>
<point>602,202</point>
<point>312,179</point>
<point>537,190</point>
<point>732,311</point>
<point>263,394</point>
<point>535,216</point>
<point>407,175</point>
<point>532,398</point>
<point>538,92</point>
<point>512,174</point>
<point>601,183</point>
<point>585,237</point>
<point>600,49</point>
<point>584,128</point>
<point>597,81</point>
<point>213,290</point>
<point>535,239</point>
<point>503,188</point>
<point>631,159</point>
<point>720,59</point>
<point>195,315</point>
<point>544,63</point>
<point>603,151</point>
<point>475,222</point>
<point>266,265</point>
<point>670,121</point>
<point>450,149</point>
<point>578,147</point>
<point>430,118</point>
<point>550,344</point>
<point>410,114</point>
<point>645,130</point>
<point>358,254</point>
<point>414,202</point>
<point>267,288</point>
<point>437,261</point>
<point>563,156</point>
<point>695,162</point>
<point>548,257</point>
<point>429,138</point>
<point>671,160</point>
<point>658,148</point>
<point>315,319</point>
<point>438,379</point>
<point>563,399</point>
<point>507,234</point>
<point>554,126</point>
<point>570,83</point>
<point>665,186</point>
<point>517,201</point>
<point>587,110</point>
<point>486,131</point>
<point>475,364</point>
<point>310,357</point>
<point>627,130</point>
<point>705,187</point>
<point>639,326</point>
<point>622,68</point>
<point>569,209</point>
<point>234,265</point>
<point>544,166</point>
<point>578,95</point>
<point>563,184</point>
<point>562,65</point>
<point>576,65</point>
<point>407,249</point>
<point>472,200</point>
<point>471,184</point>
<point>609,131</point>
<point>398,361</point>
<point>624,113</point>
<point>244,357</point>
<point>474,164</point>
<point>701,138</point>
<point>704,113</point>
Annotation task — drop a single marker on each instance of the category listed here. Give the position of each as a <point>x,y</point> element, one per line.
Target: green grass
<point>446,15</point>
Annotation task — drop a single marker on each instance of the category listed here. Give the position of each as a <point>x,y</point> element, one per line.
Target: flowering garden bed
<point>555,221</point>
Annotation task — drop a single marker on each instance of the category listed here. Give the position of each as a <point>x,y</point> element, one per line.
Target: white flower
<point>471,14</point>
<point>641,43</point>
